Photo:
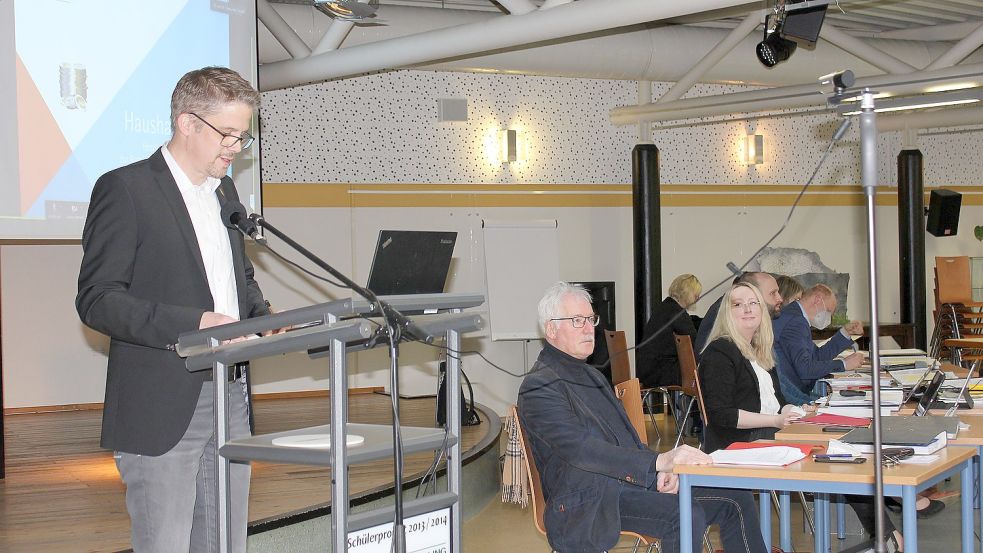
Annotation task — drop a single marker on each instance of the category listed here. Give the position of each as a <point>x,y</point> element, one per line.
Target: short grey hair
<point>549,305</point>
<point>204,91</point>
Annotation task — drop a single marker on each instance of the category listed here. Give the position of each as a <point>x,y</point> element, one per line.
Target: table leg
<point>685,515</point>
<point>840,517</point>
<point>764,514</point>
<point>966,504</point>
<point>819,503</point>
<point>785,521</point>
<point>910,519</point>
<point>978,465</point>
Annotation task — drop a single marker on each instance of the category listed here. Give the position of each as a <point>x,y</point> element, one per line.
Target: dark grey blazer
<point>142,282</point>
<point>585,448</point>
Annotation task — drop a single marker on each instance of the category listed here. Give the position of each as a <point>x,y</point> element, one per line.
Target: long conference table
<point>826,480</point>
<point>971,437</point>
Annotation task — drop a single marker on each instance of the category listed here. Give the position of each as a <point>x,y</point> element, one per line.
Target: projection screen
<point>85,87</point>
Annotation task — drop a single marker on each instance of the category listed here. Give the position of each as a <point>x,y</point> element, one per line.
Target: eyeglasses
<point>578,321</point>
<point>749,306</point>
<point>229,140</point>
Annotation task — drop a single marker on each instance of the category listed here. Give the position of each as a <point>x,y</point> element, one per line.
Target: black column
<point>911,243</point>
<point>646,225</point>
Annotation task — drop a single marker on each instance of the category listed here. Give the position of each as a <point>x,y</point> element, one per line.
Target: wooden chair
<point>618,354</point>
<point>956,313</point>
<point>539,503</point>
<point>621,372</point>
<point>689,383</point>
<point>630,394</point>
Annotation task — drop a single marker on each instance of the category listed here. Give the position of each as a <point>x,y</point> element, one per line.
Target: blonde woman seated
<point>741,394</point>
<point>743,399</point>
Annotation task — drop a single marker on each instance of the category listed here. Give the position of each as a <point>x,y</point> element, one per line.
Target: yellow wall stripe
<point>573,195</point>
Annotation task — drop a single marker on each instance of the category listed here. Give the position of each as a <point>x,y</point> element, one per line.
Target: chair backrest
<point>630,394</point>
<point>536,489</point>
<point>618,354</point>
<point>953,280</point>
<point>688,372</point>
<point>536,499</point>
<point>687,364</point>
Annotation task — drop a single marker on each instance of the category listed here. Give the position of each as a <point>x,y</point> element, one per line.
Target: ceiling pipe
<point>281,30</point>
<point>584,16</point>
<point>553,3</point>
<point>644,97</point>
<point>951,32</point>
<point>864,51</point>
<point>334,35</point>
<point>623,53</point>
<point>961,49</point>
<point>928,119</point>
<point>789,97</point>
<point>517,7</point>
<point>718,53</point>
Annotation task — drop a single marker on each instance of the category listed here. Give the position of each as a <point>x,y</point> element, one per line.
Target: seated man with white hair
<point>598,478</point>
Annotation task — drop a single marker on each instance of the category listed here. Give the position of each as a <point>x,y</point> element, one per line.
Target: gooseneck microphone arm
<point>396,326</point>
<point>402,323</point>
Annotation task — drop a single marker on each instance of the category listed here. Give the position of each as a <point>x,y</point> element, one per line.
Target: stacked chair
<point>957,315</point>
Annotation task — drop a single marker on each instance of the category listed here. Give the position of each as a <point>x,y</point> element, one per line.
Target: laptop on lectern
<point>411,262</point>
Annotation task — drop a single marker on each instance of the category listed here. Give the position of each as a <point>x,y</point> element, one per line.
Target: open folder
<point>762,454</point>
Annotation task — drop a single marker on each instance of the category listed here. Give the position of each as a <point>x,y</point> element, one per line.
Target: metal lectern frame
<point>337,328</point>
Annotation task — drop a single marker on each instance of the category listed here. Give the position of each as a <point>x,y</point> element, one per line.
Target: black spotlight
<point>774,49</point>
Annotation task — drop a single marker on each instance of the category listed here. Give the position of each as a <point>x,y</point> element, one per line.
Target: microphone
<point>234,216</point>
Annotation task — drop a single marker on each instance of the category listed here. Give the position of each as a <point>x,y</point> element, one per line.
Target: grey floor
<point>504,527</point>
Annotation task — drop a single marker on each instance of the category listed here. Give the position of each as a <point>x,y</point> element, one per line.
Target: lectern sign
<point>426,533</point>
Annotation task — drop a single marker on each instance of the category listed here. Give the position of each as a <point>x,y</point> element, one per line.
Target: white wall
<point>383,129</point>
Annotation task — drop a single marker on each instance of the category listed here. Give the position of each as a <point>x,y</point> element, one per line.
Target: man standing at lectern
<point>158,261</point>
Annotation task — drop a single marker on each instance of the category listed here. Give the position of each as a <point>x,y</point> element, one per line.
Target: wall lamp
<point>754,149</point>
<point>508,142</point>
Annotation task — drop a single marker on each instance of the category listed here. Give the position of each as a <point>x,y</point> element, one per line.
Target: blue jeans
<point>648,512</point>
<point>171,497</point>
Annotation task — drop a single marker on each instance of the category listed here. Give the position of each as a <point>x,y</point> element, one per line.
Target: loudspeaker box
<point>943,212</point>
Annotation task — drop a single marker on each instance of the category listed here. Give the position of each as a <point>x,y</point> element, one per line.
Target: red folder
<point>805,448</point>
<point>826,419</point>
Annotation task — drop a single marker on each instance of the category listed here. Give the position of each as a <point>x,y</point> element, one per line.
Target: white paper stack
<point>777,456</point>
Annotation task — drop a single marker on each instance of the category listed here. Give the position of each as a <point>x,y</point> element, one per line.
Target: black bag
<point>469,416</point>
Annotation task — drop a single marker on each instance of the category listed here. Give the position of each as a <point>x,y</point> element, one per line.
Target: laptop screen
<point>931,392</point>
<point>411,262</point>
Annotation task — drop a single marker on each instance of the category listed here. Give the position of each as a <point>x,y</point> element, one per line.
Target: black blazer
<point>728,383</point>
<point>656,362</point>
<point>585,449</point>
<point>142,282</point>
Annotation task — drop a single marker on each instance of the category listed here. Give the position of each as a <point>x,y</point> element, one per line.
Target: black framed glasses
<point>229,140</point>
<point>578,321</point>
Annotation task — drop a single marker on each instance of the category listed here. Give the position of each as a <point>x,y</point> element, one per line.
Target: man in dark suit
<point>598,478</point>
<point>157,262</point>
<point>800,361</point>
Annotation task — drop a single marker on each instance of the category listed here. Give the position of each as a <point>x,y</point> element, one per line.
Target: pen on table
<point>833,455</point>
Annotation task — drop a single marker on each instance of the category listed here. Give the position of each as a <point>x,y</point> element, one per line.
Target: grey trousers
<point>171,498</point>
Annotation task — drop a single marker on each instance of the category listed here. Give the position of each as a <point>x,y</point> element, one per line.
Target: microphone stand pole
<point>396,326</point>
<point>868,161</point>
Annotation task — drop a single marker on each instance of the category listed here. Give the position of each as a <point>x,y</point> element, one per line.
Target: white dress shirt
<point>213,237</point>
<point>766,390</point>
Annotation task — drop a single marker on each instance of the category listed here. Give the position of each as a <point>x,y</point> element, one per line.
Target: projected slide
<point>91,86</point>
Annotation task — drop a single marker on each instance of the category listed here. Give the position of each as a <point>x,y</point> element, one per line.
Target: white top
<point>766,390</point>
<point>213,237</point>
